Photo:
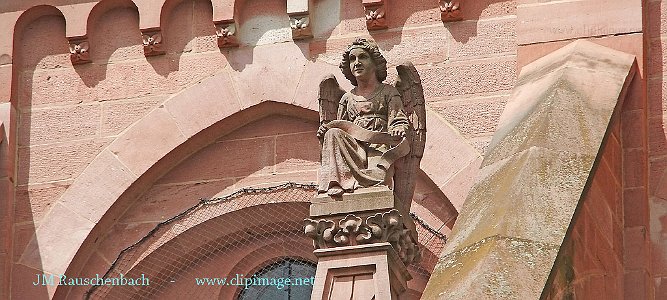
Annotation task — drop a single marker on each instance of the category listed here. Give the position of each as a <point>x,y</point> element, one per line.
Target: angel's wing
<point>409,85</point>
<point>329,98</point>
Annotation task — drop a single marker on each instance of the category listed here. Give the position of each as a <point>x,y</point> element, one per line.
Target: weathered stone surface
<point>571,80</point>
<point>532,178</point>
<point>34,202</point>
<point>118,115</point>
<point>55,162</point>
<point>508,193</point>
<point>496,267</point>
<point>139,148</point>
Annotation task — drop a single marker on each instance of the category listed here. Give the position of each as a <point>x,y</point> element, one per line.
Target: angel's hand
<point>322,130</point>
<point>397,131</point>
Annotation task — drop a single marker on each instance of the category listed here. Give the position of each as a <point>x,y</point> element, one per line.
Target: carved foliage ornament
<point>300,24</point>
<point>226,33</point>
<point>79,50</point>
<point>352,230</point>
<point>375,16</point>
<point>152,40</point>
<point>449,10</point>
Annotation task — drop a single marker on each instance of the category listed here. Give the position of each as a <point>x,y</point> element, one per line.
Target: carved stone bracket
<point>79,50</point>
<point>226,32</point>
<point>300,24</point>
<point>375,15</point>
<point>152,39</point>
<point>352,230</point>
<point>449,10</point>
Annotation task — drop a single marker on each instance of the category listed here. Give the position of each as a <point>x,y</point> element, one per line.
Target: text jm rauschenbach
<point>50,279</point>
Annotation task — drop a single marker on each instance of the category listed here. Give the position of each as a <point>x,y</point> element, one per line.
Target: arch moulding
<point>178,125</point>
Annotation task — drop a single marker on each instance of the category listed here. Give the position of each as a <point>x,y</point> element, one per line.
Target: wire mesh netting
<point>221,247</point>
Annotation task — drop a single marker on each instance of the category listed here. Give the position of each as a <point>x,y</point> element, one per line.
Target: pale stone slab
<point>98,186</point>
<point>50,250</point>
<point>149,140</point>
<point>575,19</point>
<point>204,104</point>
<point>562,101</point>
<point>531,195</point>
<point>363,200</point>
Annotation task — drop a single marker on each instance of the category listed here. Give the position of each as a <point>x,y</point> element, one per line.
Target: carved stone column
<point>364,245</point>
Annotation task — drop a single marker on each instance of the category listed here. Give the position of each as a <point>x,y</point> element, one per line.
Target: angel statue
<point>374,134</point>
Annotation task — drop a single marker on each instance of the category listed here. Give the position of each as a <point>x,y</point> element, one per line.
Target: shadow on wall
<point>114,35</point>
<point>214,170</point>
<point>112,25</point>
<point>140,219</point>
<point>263,22</point>
<point>39,43</point>
<point>187,27</point>
<point>657,110</point>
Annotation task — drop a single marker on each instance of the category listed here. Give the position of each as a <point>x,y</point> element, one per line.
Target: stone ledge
<point>362,200</point>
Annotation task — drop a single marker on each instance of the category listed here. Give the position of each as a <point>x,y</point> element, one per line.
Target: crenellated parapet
<point>225,19</point>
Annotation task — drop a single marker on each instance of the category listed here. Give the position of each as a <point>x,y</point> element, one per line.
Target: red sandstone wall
<point>657,116</point>
<point>641,171</point>
<point>67,114</point>
<point>657,141</point>
<point>604,252</point>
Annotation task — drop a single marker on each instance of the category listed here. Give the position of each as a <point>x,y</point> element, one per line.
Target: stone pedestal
<point>363,241</point>
<point>371,271</point>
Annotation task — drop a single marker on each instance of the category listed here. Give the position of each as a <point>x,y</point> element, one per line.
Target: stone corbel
<point>449,11</point>
<point>375,11</point>
<point>300,24</point>
<point>377,228</point>
<point>152,40</point>
<point>226,32</point>
<point>79,50</point>
<point>299,19</point>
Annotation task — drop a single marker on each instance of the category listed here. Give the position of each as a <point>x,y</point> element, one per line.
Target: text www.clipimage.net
<point>239,280</point>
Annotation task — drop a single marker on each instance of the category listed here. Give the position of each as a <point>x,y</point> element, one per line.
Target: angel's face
<point>361,63</point>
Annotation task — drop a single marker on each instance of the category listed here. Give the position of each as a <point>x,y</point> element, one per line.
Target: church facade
<point>156,148</point>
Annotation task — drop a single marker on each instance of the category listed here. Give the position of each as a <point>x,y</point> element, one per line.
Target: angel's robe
<point>349,163</point>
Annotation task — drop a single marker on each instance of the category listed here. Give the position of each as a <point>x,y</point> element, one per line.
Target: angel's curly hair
<point>372,48</point>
